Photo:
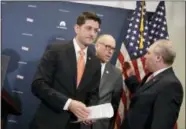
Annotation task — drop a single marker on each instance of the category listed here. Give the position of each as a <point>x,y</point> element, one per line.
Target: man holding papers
<point>67,78</point>
<point>111,80</point>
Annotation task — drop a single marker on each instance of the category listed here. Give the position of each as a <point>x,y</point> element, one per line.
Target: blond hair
<point>165,49</point>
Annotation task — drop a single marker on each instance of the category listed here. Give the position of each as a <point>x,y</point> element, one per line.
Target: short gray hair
<point>164,48</point>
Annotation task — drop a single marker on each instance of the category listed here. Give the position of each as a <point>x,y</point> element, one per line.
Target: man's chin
<point>107,60</point>
<point>88,43</point>
<point>146,67</point>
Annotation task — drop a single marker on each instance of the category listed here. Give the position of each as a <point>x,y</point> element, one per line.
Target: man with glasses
<point>67,78</point>
<point>111,80</point>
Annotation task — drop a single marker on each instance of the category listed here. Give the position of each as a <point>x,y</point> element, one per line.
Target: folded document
<point>102,111</point>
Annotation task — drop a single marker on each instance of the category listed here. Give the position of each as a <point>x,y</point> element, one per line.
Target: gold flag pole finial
<point>142,26</point>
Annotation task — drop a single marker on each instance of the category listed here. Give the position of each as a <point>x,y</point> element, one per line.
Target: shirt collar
<point>160,71</point>
<point>103,64</point>
<point>77,48</point>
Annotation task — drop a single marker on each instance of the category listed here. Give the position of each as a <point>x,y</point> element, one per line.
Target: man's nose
<point>110,51</point>
<point>145,56</point>
<point>93,32</point>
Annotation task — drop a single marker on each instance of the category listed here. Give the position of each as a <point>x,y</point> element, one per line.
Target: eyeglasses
<point>108,47</point>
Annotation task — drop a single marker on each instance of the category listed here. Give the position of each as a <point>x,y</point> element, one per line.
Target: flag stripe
<point>143,63</point>
<point>122,60</point>
<point>140,68</point>
<point>124,52</point>
<point>135,65</point>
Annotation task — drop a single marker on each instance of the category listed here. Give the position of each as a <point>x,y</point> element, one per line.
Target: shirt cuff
<point>67,104</point>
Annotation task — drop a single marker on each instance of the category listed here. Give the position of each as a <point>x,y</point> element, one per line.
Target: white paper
<point>102,111</point>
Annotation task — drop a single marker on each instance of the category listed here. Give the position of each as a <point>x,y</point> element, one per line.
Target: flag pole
<point>142,26</point>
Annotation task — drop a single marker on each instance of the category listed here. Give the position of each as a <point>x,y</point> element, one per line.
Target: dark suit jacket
<point>155,104</point>
<point>110,90</point>
<point>55,82</point>
<point>133,84</point>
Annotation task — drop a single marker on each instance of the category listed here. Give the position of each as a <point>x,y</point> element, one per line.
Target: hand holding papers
<point>101,111</point>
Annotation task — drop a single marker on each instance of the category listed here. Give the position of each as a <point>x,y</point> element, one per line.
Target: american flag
<point>132,50</point>
<point>158,24</point>
<point>141,33</point>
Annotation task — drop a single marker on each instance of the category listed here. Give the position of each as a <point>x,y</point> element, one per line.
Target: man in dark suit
<point>156,102</point>
<point>67,78</point>
<point>111,83</point>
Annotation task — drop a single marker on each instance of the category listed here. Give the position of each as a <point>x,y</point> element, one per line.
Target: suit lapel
<point>72,63</point>
<point>148,84</point>
<point>145,86</point>
<point>105,75</point>
<point>144,79</point>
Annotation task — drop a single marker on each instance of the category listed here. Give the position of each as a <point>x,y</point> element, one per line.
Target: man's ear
<point>97,45</point>
<point>76,28</point>
<point>159,58</point>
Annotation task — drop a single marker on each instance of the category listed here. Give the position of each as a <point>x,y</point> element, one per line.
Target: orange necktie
<point>80,66</point>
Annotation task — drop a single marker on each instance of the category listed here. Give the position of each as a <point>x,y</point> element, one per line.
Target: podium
<point>8,103</point>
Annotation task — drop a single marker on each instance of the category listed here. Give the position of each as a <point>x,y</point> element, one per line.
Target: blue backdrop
<point>28,27</point>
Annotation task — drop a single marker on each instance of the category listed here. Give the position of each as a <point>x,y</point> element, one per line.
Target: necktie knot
<point>81,52</point>
<point>149,78</point>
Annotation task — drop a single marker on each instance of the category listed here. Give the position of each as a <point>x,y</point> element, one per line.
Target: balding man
<point>111,80</point>
<point>157,100</point>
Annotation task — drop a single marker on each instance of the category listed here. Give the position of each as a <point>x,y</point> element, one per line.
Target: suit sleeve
<point>93,96</point>
<point>132,84</point>
<point>167,106</point>
<point>116,96</point>
<point>42,85</point>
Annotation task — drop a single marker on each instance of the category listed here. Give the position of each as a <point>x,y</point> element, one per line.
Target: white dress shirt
<point>159,71</point>
<point>77,49</point>
<point>102,68</point>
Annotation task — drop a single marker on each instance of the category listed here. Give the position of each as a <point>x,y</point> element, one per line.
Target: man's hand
<point>78,109</point>
<point>130,72</point>
<point>129,69</point>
